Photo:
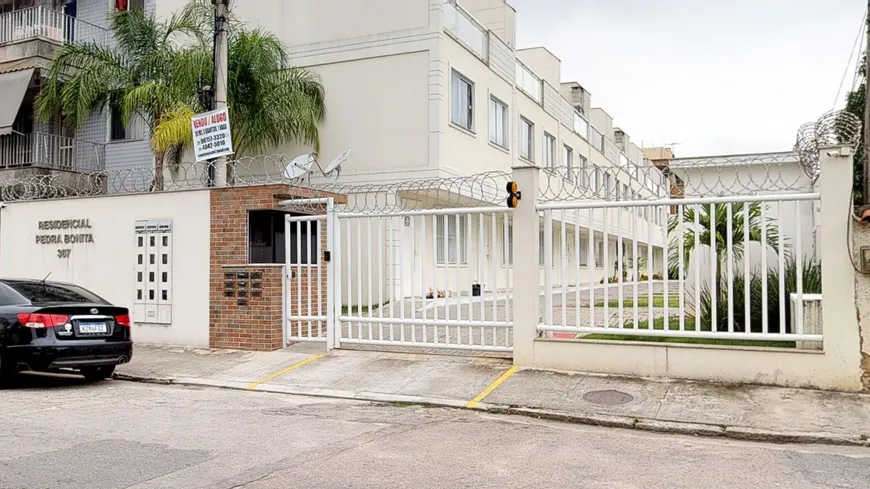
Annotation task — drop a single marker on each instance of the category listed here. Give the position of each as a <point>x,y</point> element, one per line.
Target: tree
<point>150,69</point>
<point>856,100</point>
<point>156,70</point>
<point>270,102</point>
<point>707,229</point>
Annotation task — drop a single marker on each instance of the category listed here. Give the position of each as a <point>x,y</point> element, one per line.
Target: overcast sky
<point>715,76</point>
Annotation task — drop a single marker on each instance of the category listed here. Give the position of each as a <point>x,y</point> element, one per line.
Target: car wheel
<point>7,370</point>
<point>98,373</point>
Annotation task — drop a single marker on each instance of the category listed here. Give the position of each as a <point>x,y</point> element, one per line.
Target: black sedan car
<point>53,326</point>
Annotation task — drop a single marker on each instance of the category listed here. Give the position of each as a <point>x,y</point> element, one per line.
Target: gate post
<point>526,275</point>
<point>333,276</point>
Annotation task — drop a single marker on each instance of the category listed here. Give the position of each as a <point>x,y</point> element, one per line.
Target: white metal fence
<point>617,261</point>
<point>427,278</point>
<point>715,268</point>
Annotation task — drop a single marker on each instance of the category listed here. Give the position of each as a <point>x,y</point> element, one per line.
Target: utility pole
<point>866,163</point>
<point>221,66</point>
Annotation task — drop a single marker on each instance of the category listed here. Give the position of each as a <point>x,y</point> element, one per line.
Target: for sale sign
<point>211,135</point>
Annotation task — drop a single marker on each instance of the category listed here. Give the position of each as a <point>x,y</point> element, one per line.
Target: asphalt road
<point>61,433</point>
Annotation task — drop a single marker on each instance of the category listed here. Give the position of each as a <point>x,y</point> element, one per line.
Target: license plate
<point>90,328</point>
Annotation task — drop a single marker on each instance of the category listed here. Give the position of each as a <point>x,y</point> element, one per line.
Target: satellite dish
<point>299,166</point>
<point>336,163</point>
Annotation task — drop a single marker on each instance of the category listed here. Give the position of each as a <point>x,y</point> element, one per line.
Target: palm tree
<point>156,69</point>
<point>742,216</point>
<point>270,102</point>
<point>149,70</point>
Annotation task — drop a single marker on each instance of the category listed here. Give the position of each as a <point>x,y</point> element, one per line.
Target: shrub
<point>812,284</point>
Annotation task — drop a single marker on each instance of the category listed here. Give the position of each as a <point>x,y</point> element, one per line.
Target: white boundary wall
<point>107,266</point>
<point>836,367</point>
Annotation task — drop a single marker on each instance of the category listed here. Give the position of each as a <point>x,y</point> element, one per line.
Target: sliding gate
<point>438,279</point>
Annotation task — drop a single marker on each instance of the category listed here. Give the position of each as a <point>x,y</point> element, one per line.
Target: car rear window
<point>9,297</point>
<point>40,293</point>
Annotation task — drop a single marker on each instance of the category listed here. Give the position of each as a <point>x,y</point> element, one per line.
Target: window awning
<point>12,86</point>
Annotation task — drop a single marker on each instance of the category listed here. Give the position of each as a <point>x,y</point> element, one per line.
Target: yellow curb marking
<point>288,369</point>
<point>472,403</point>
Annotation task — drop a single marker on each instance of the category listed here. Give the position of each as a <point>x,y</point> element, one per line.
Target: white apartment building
<point>427,89</point>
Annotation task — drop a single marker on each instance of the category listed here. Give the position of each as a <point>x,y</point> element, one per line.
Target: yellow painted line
<point>472,403</point>
<point>288,369</point>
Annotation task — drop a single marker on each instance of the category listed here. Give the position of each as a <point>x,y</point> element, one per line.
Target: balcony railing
<point>51,151</point>
<point>465,29</point>
<point>530,83</point>
<point>48,24</point>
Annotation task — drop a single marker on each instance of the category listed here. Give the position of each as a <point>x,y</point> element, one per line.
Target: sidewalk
<point>746,412</point>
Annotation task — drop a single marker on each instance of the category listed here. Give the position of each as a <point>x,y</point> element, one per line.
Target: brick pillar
<point>246,308</point>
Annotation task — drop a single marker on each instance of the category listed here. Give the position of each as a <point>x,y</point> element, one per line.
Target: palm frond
<point>174,129</point>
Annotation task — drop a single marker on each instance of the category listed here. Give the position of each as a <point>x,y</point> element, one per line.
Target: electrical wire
<point>861,33</point>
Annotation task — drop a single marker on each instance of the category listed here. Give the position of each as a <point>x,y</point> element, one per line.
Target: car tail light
<point>40,320</point>
<point>123,320</point>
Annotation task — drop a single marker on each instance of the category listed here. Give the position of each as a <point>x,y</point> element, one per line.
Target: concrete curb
<point>603,420</point>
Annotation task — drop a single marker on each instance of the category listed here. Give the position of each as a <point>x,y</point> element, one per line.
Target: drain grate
<point>608,397</point>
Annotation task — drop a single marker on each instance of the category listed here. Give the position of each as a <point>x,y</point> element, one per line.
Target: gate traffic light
<point>514,194</point>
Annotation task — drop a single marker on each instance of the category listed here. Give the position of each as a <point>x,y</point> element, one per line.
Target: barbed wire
<point>482,189</point>
<point>832,128</point>
<point>710,176</point>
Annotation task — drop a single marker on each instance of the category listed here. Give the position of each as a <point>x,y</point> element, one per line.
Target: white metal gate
<point>432,279</point>
<point>306,279</point>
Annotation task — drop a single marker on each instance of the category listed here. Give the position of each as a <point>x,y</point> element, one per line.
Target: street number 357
<point>64,253</point>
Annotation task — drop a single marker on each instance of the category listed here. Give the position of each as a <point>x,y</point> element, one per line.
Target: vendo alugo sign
<point>211,135</point>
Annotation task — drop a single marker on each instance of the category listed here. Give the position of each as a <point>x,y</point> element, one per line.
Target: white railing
<point>465,29</point>
<point>50,151</point>
<point>45,23</point>
<point>581,126</point>
<point>680,280</point>
<point>530,83</point>
<point>428,278</point>
<point>596,139</point>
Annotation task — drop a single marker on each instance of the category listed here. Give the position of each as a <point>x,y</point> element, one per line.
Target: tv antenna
<point>301,166</point>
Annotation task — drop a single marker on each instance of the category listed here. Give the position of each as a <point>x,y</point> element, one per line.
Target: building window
<point>541,250</point>
<point>599,260</point>
<point>607,186</point>
<point>129,4</point>
<point>625,193</point>
<point>117,128</point>
<point>596,179</point>
<point>584,251</point>
<point>549,151</point>
<point>267,241</point>
<point>498,122</point>
<point>461,101</point>
<point>568,156</point>
<point>582,171</point>
<point>507,257</point>
<point>527,139</point>
<point>456,239</point>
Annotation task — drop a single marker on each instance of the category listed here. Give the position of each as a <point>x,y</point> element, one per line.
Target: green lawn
<point>674,325</point>
<point>642,301</point>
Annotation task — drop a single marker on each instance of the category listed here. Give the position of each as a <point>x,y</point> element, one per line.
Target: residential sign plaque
<point>211,135</point>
